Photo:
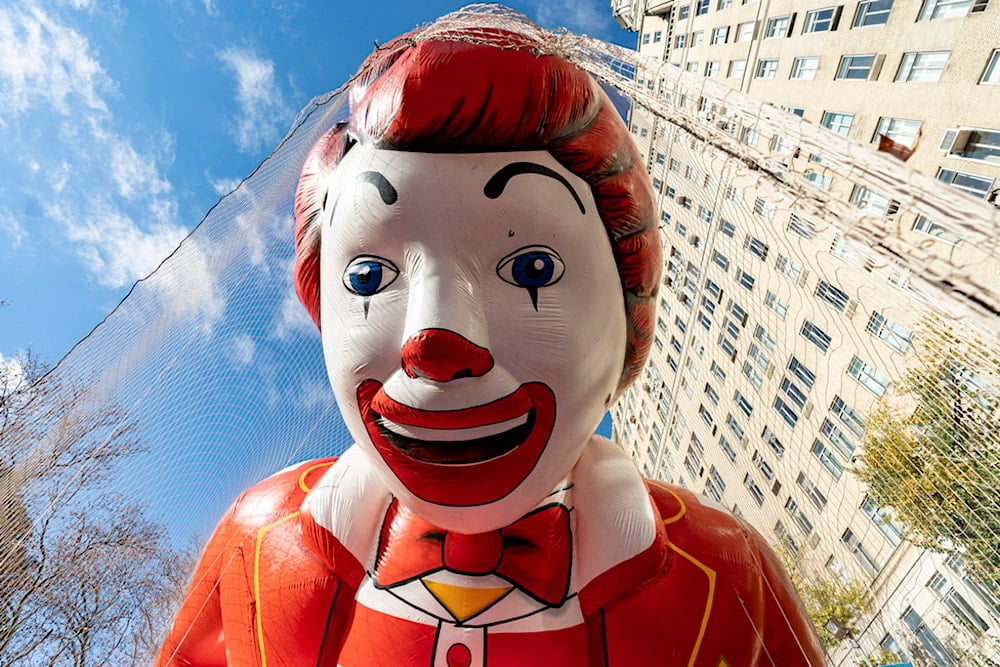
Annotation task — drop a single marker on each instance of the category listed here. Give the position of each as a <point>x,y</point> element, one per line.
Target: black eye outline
<point>531,268</point>
<point>362,269</point>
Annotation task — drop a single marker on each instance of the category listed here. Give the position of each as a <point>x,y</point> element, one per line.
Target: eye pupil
<point>368,276</point>
<point>533,269</point>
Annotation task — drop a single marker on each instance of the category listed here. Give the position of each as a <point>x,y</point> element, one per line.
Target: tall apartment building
<point>776,334</point>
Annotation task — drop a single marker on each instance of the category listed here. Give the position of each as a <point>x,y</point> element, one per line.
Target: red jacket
<point>273,588</point>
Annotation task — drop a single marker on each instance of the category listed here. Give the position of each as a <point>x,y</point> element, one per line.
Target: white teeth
<point>452,435</point>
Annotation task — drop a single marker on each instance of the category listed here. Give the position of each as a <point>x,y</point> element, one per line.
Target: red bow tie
<point>532,553</point>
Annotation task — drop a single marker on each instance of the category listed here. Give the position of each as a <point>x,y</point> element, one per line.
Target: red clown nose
<point>442,356</point>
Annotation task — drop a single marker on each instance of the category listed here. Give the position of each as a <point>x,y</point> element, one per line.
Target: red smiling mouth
<point>470,456</point>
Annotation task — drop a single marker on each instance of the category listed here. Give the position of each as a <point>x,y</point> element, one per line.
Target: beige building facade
<point>777,333</point>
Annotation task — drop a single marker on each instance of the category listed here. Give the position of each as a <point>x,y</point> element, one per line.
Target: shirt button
<point>459,655</point>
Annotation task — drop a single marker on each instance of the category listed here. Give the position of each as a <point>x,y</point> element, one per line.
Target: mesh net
<point>839,308</point>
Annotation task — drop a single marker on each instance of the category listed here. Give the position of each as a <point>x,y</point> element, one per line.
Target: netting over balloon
<point>210,375</point>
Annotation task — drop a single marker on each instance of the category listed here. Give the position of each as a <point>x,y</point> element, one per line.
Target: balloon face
<point>473,325</point>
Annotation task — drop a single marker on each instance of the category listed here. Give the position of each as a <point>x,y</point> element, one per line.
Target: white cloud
<point>244,349</point>
<point>188,285</point>
<point>223,186</point>
<point>580,16</point>
<point>12,227</point>
<point>115,250</point>
<point>41,61</point>
<point>264,112</point>
<point>211,8</point>
<point>292,319</point>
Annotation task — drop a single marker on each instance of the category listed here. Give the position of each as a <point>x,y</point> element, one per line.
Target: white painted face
<point>473,325</point>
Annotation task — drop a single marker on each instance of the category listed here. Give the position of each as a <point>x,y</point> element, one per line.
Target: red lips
<point>473,471</point>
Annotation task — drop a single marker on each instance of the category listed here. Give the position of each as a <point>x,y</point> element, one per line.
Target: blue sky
<point>121,124</point>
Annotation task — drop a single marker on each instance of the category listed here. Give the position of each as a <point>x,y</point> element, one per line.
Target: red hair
<point>446,94</point>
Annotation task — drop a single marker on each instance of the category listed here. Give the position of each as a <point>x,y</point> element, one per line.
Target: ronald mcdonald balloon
<point>477,244</point>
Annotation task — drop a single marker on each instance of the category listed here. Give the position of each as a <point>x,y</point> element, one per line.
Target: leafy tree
<point>936,463</point>
<point>830,601</point>
<point>86,578</point>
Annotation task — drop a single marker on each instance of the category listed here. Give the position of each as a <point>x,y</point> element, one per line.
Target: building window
<point>764,208</point>
<point>883,521</point>
<point>727,228</point>
<point>772,441</point>
<point>798,516</point>
<point>745,279</point>
<point>793,392</point>
<point>701,7</point>
<point>721,260</point>
<point>756,379</point>
<point>735,427</point>
<point>765,338</point>
<point>853,544</point>
<point>755,246</point>
<point>759,357</point>
<point>828,459</point>
<point>786,411</point>
<point>658,36</point>
<point>832,295</point>
<point>736,69</point>
<point>805,68</point>
<point>767,68</point>
<point>937,650</point>
<point>727,347</point>
<point>777,27</point>
<point>814,495</point>
<point>977,186</point>
<point>901,130</point>
<point>645,38</point>
<point>724,4</point>
<point>718,372</point>
<point>692,67</point>
<point>697,38</point>
<point>704,214</point>
<point>848,416</point>
<point>991,75</point>
<point>837,438</point>
<point>855,67</point>
<point>711,68</point>
<point>799,226</point>
<point>973,144</point>
<point>925,226</point>
<point>802,372</point>
<point>780,307</point>
<point>744,31</point>
<point>720,35</point>
<point>896,336</point>
<point>871,202</point>
<point>925,66</point>
<point>957,604</point>
<point>683,12</point>
<point>745,406</point>
<point>875,12</point>
<point>838,122</point>
<point>680,40</point>
<point>868,377</point>
<point>816,336</point>
<point>944,9</point>
<point>727,448</point>
<point>789,267</point>
<point>712,394</point>
<point>821,20</point>
<point>755,491</point>
<point>763,466</point>
<point>786,538</point>
<point>715,485</point>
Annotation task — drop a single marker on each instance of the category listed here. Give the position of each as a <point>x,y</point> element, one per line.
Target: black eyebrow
<point>498,181</point>
<point>381,183</point>
<point>385,189</point>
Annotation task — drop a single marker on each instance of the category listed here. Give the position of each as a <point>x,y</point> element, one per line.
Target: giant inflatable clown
<point>477,245</point>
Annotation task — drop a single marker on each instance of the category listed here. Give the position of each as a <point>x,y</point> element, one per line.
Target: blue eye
<point>367,275</point>
<point>531,267</point>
